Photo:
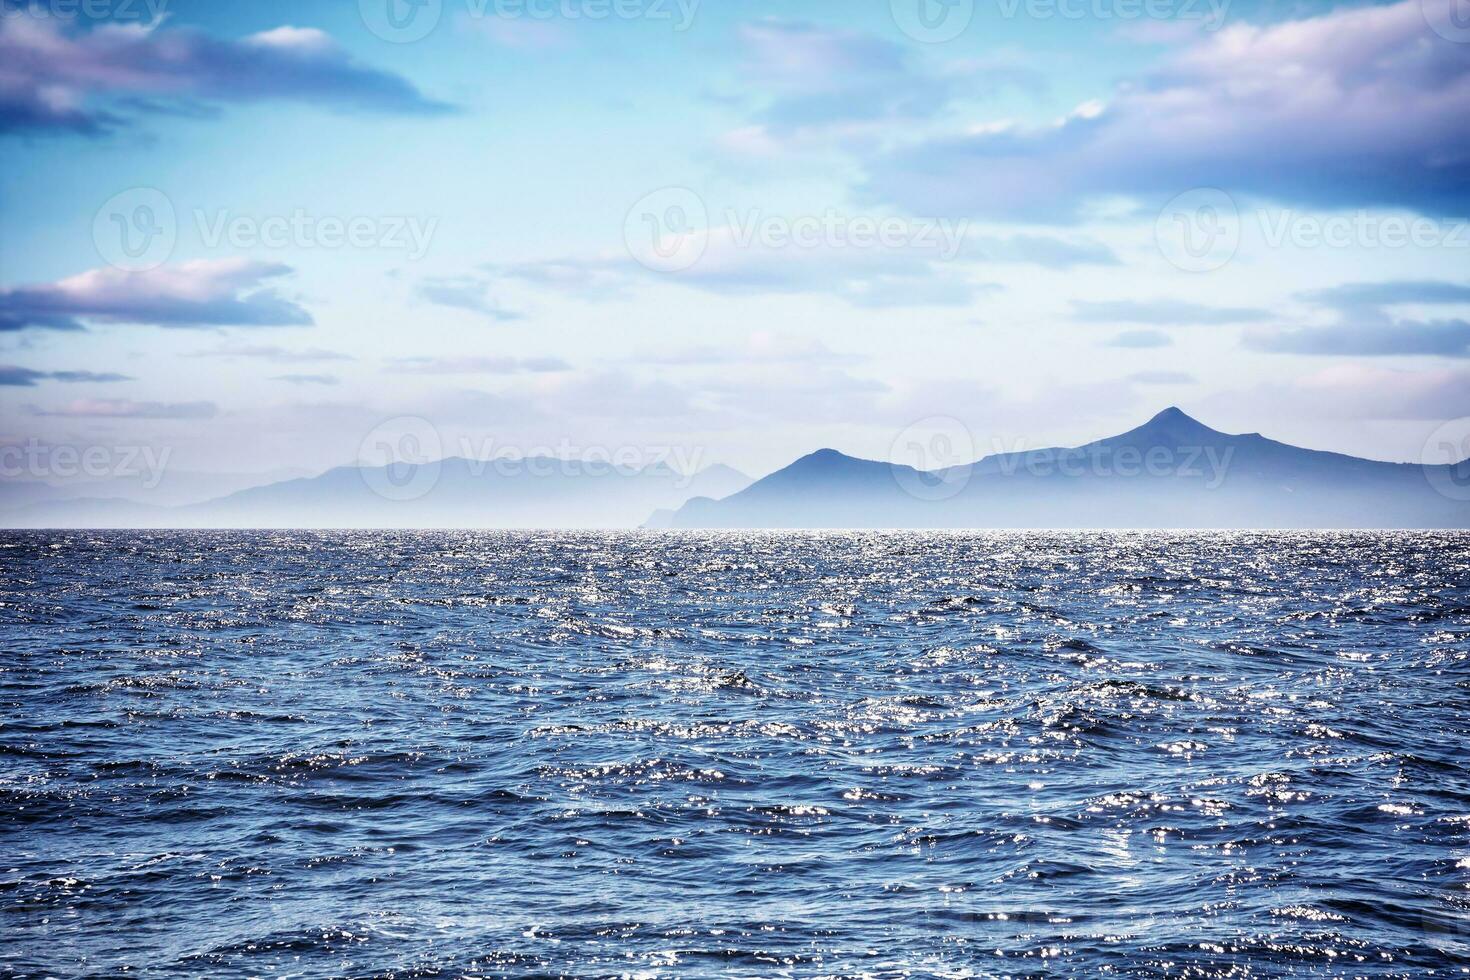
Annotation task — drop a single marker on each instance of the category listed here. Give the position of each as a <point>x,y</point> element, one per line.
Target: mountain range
<point>1170,472</point>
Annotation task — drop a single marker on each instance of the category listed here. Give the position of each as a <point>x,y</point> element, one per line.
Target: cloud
<point>59,77</point>
<point>14,376</point>
<point>478,365</point>
<point>873,276</point>
<point>585,278</point>
<point>522,33</point>
<point>1162,378</point>
<point>307,379</point>
<point>274,354</point>
<point>819,85</point>
<point>201,293</point>
<point>1361,391</point>
<point>760,347</point>
<point>916,267</point>
<point>1375,294</point>
<point>1045,251</point>
<point>1358,107</point>
<point>1364,327</point>
<point>1139,339</point>
<point>1444,338</point>
<point>466,293</point>
<point>123,408</point>
<point>825,77</point>
<point>1164,312</point>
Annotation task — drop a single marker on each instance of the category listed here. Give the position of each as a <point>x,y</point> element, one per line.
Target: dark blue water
<point>311,755</point>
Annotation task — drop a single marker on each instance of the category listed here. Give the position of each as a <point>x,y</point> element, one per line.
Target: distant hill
<point>534,492</point>
<point>1171,472</point>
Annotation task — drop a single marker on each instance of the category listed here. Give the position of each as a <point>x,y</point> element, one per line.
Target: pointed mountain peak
<point>1171,427</point>
<point>1171,416</point>
<point>1173,419</point>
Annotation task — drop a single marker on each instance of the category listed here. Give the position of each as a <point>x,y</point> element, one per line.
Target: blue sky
<point>747,229</point>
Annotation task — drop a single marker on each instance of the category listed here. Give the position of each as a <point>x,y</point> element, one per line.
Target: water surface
<point>482,754</point>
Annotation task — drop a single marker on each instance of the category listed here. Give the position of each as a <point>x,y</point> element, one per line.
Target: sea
<point>645,754</point>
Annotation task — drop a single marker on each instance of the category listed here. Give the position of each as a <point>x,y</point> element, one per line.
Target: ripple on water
<point>459,754</point>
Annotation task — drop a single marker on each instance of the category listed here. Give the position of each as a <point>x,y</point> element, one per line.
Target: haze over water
<point>927,754</point>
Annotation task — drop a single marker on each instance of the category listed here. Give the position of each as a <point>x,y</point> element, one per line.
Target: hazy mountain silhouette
<point>1172,471</point>
<point>534,492</point>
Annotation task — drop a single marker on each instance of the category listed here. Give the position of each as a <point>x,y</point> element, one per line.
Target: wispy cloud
<point>471,294</point>
<point>61,77</point>
<point>1164,312</point>
<point>1365,326</point>
<point>1139,339</point>
<point>307,379</point>
<point>1162,378</point>
<point>274,354</point>
<point>478,365</point>
<point>14,376</point>
<point>124,408</point>
<point>201,293</point>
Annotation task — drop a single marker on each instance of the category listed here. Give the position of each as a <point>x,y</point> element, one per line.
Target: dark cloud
<point>1445,338</point>
<point>1375,294</point>
<point>14,376</point>
<point>202,293</point>
<point>1358,107</point>
<point>60,77</point>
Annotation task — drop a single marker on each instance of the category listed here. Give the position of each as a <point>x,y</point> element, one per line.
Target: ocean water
<point>850,754</point>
